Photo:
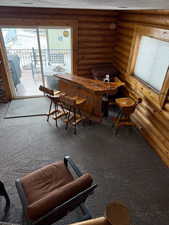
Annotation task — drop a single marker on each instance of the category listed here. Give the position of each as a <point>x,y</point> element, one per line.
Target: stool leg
<point>68,116</point>
<point>74,112</point>
<point>56,111</point>
<point>116,118</point>
<point>117,123</point>
<point>49,110</point>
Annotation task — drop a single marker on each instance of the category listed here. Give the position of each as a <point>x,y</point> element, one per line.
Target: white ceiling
<point>90,4</point>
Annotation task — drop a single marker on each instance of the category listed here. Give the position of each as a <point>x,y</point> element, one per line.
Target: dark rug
<point>27,107</point>
<point>125,167</point>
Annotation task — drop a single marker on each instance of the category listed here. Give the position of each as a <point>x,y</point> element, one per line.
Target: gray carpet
<point>124,167</point>
<point>27,107</point>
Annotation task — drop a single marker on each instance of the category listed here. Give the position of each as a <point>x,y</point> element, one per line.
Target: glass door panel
<point>56,51</point>
<point>22,51</point>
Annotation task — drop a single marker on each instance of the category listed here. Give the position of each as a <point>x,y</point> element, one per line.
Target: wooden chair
<point>72,104</point>
<point>115,214</point>
<point>127,106</point>
<point>54,97</point>
<point>49,193</point>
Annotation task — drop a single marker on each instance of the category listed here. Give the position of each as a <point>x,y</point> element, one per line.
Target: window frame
<point>152,32</point>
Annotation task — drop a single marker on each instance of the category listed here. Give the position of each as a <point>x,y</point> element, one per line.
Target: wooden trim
<point>5,72</point>
<point>160,34</point>
<point>133,52</point>
<point>13,11</point>
<point>164,90</point>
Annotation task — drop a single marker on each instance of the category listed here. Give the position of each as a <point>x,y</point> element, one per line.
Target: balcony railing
<point>30,57</point>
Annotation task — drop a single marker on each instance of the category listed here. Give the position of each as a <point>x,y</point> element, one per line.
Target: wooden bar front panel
<point>92,107</point>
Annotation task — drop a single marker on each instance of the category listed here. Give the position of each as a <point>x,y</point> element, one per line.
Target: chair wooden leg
<point>74,112</point>
<point>116,126</point>
<point>49,110</point>
<point>68,117</point>
<point>115,119</point>
<point>56,111</point>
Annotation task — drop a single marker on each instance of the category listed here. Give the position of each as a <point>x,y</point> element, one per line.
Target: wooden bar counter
<point>90,89</point>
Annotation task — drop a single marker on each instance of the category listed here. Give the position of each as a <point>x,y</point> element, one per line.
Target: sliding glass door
<point>34,56</point>
<point>56,53</point>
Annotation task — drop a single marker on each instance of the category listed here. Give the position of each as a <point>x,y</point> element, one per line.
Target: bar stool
<point>54,97</point>
<point>127,106</point>
<point>73,105</point>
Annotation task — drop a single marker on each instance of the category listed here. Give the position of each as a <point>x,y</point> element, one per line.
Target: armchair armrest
<point>68,160</point>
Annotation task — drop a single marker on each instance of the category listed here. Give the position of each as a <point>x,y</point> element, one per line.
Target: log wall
<point>99,42</point>
<point>95,31</point>
<point>152,121</point>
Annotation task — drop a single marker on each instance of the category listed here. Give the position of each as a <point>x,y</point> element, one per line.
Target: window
<point>149,61</point>
<point>152,61</point>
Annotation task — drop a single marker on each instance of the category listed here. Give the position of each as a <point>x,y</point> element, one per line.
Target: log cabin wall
<point>152,121</point>
<point>95,32</point>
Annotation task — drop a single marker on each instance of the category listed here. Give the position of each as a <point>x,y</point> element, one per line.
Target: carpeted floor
<point>124,167</point>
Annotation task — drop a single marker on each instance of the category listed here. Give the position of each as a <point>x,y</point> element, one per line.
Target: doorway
<point>34,55</point>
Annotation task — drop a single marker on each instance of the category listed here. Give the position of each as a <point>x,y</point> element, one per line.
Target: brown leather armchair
<point>115,214</point>
<point>49,193</point>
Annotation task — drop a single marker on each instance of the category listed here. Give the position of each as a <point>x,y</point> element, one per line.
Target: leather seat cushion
<point>58,196</point>
<point>39,183</point>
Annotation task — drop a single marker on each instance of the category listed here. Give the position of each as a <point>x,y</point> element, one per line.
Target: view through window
<point>35,55</point>
<point>152,61</point>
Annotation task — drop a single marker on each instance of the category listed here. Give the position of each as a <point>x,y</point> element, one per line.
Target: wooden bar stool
<point>73,104</point>
<point>54,97</point>
<point>127,106</point>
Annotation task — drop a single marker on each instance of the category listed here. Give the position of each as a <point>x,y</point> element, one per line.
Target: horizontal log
<point>100,26</point>
<point>152,108</point>
<point>85,67</point>
<point>95,61</point>
<point>152,141</point>
<point>126,54</point>
<point>53,11</point>
<point>95,50</point>
<point>125,32</point>
<point>102,19</point>
<point>95,56</point>
<point>86,32</point>
<point>151,128</point>
<point>150,11</point>
<point>84,73</point>
<point>127,25</point>
<point>96,38</point>
<point>119,65</point>
<point>123,45</point>
<point>125,40</point>
<point>155,121</point>
<point>95,45</point>
<point>36,22</point>
<point>143,90</point>
<point>121,58</point>
<point>162,20</point>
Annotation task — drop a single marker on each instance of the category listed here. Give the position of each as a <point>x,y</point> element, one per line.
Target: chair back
<point>46,90</point>
<point>129,110</point>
